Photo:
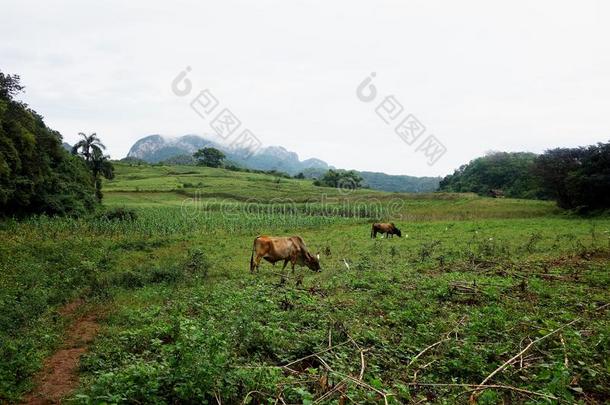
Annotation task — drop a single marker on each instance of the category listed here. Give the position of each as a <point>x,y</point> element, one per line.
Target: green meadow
<point>437,316</point>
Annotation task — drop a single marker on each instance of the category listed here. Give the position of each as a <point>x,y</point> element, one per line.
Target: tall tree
<point>100,167</point>
<point>10,86</point>
<point>88,146</point>
<point>210,157</point>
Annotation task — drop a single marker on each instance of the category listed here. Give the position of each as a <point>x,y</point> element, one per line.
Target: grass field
<point>423,318</point>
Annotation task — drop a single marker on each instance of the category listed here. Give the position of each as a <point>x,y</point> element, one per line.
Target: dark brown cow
<point>388,229</point>
<point>289,249</point>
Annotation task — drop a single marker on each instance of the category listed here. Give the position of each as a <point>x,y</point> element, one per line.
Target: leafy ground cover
<point>427,317</point>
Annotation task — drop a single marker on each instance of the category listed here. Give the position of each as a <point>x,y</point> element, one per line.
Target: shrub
<point>119,214</point>
<point>197,263</point>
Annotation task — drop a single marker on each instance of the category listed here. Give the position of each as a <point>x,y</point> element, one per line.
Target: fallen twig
<point>426,349</point>
<point>365,385</point>
<point>362,365</point>
<point>447,337</point>
<point>565,352</point>
<point>488,386</point>
<point>473,397</point>
<point>314,354</point>
<point>332,391</point>
<point>252,392</point>
<point>421,368</point>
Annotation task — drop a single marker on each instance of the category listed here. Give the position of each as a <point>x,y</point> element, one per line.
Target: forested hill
<point>400,183</point>
<point>500,172</point>
<point>577,178</point>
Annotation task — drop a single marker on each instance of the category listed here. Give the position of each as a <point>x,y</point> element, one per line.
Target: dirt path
<point>59,374</point>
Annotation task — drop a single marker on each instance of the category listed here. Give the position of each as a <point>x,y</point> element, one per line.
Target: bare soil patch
<point>59,374</point>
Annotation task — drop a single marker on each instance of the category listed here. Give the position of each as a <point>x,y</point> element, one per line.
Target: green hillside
<point>142,185</point>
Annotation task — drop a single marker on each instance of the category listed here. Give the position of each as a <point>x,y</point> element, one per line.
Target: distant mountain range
<point>157,148</point>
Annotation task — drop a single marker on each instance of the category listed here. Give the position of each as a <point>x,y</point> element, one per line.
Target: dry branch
<point>433,345</point>
<point>488,386</point>
<point>314,354</point>
<point>362,365</point>
<point>480,388</point>
<point>426,349</point>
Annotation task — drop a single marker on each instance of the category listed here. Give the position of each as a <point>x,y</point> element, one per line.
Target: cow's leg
<point>285,263</point>
<point>293,262</point>
<point>257,262</point>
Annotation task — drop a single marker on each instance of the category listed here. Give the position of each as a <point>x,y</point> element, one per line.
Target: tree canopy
<point>91,149</point>
<point>508,172</point>
<point>36,174</point>
<point>343,179</point>
<point>577,178</point>
<point>210,157</point>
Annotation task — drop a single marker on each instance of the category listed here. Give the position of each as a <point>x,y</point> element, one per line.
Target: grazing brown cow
<point>389,229</point>
<point>289,249</point>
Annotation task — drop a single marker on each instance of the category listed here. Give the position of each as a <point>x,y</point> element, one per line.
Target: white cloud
<point>480,75</point>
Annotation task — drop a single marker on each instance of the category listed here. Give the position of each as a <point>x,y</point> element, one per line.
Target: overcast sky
<point>479,75</point>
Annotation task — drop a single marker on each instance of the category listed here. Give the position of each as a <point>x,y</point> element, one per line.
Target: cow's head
<point>313,262</point>
<point>397,232</point>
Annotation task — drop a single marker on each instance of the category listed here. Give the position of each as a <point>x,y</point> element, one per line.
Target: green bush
<point>119,214</point>
<point>197,263</point>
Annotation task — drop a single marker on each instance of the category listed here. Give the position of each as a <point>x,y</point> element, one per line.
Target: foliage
<point>183,320</point>
<point>210,157</point>
<point>89,146</point>
<point>510,172</point>
<point>577,178</point>
<point>133,161</point>
<point>10,86</point>
<point>230,333</point>
<point>119,214</point>
<point>399,183</point>
<point>100,166</point>
<point>343,179</point>
<point>179,160</point>
<point>36,174</point>
<point>91,149</point>
<point>197,263</point>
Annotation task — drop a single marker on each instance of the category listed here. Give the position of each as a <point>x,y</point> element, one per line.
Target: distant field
<point>416,319</point>
<point>213,189</point>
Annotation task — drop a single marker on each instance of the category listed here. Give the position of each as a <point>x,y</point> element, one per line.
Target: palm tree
<point>88,146</point>
<point>100,167</point>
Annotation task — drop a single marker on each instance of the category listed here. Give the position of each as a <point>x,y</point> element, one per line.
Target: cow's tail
<point>252,255</point>
<point>373,231</point>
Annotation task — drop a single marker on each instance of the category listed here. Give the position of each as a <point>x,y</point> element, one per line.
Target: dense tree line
<point>37,175</point>
<point>577,178</point>
<point>343,179</point>
<point>508,173</point>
